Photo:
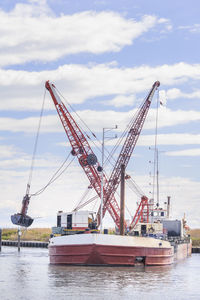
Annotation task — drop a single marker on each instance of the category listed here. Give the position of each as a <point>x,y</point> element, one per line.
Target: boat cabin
<point>75,222</point>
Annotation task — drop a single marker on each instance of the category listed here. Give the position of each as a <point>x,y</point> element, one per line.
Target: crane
<point>81,148</point>
<point>127,150</point>
<point>88,160</point>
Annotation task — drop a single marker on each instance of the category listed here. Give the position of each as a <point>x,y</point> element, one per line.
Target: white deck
<point>107,239</point>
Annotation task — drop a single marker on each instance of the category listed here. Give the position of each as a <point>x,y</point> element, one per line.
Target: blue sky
<point>103,56</point>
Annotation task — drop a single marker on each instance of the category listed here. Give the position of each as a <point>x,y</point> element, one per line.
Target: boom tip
<point>156,84</point>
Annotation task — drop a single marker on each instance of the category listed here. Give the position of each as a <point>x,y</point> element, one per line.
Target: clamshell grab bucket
<point>21,220</point>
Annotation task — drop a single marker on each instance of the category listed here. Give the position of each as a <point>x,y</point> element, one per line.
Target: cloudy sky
<point>103,57</point>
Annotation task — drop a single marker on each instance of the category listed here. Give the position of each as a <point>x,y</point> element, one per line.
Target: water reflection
<point>114,280</point>
<point>28,275</point>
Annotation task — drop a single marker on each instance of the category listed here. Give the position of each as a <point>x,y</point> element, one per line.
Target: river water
<point>29,276</point>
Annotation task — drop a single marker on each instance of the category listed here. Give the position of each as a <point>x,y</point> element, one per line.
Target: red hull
<point>95,254</point>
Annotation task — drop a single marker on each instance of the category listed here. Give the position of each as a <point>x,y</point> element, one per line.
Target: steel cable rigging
<point>109,157</point>
<point>22,219</point>
<point>53,178</point>
<point>35,146</point>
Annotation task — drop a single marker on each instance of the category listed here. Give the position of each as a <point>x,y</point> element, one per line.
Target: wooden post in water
<point>122,196</point>
<point>0,238</point>
<point>18,239</point>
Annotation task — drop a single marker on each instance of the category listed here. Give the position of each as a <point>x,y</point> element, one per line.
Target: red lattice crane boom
<point>142,213</point>
<point>126,151</point>
<point>81,148</point>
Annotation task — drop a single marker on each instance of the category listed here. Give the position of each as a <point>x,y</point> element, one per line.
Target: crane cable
<point>35,146</point>
<point>81,121</point>
<point>84,123</point>
<point>110,154</point>
<point>155,148</point>
<point>124,133</point>
<point>86,194</point>
<point>54,177</point>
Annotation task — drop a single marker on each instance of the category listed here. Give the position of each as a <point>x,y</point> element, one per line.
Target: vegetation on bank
<point>195,236</point>
<point>32,234</point>
<point>43,234</point>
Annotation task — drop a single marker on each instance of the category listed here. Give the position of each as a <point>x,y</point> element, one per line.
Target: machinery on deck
<point>75,222</point>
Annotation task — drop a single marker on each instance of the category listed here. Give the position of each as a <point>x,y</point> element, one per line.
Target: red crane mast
<point>81,148</point>
<point>126,151</point>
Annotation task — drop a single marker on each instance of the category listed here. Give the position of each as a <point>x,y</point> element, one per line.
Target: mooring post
<point>0,238</point>
<point>18,239</point>
<point>122,196</point>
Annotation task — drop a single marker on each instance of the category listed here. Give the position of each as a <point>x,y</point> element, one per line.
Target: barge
<point>106,249</point>
<point>75,241</point>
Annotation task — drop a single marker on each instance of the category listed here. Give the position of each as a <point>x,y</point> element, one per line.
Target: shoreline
<point>33,244</point>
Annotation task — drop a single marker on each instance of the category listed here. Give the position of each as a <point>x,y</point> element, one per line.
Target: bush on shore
<point>32,234</point>
<point>195,236</point>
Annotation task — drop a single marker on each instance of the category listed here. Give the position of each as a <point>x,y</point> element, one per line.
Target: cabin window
<point>69,221</point>
<point>143,229</point>
<point>58,221</point>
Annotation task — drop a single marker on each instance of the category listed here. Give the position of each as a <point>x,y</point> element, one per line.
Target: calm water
<point>29,275</point>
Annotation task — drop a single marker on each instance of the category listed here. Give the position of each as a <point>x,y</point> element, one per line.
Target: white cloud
<point>29,103</point>
<point>187,152</point>
<point>7,151</point>
<point>21,90</point>
<point>179,139</point>
<point>169,27</point>
<point>167,23</point>
<point>120,101</point>
<point>61,195</point>
<point>170,139</point>
<point>176,93</point>
<point>94,120</point>
<point>35,8</point>
<point>13,158</point>
<point>30,32</point>
<point>162,97</point>
<point>195,28</point>
<point>163,20</point>
<point>25,162</point>
<point>184,194</point>
<point>49,124</point>
<point>168,117</point>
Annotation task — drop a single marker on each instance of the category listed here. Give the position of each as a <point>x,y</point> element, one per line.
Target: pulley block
<point>91,159</point>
